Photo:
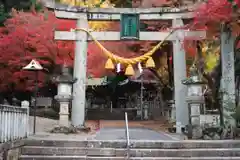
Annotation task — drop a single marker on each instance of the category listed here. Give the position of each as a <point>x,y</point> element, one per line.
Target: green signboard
<point>130,26</point>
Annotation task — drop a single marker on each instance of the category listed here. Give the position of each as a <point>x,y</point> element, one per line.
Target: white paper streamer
<point>140,67</point>
<point>118,67</point>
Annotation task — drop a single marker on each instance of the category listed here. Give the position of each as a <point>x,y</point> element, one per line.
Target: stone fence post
<point>26,104</point>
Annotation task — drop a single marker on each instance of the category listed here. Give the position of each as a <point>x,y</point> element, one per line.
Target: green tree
<point>3,15</point>
<point>25,5</point>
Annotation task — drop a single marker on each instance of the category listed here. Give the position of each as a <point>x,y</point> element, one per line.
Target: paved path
<point>44,125</point>
<point>110,134</point>
<point>134,133</point>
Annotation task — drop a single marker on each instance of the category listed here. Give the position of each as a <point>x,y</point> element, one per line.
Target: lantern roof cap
<point>194,77</point>
<point>193,80</point>
<point>65,76</point>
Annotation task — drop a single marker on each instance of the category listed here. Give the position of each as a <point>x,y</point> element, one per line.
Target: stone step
<point>78,151</point>
<point>137,144</point>
<point>38,157</point>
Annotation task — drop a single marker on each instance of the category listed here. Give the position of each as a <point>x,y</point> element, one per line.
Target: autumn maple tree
<point>215,16</point>
<point>28,36</point>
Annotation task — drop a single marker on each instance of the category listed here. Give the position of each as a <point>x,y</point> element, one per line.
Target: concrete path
<point>134,133</point>
<point>44,125</point>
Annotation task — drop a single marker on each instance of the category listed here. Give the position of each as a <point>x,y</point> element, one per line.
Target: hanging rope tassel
<point>109,64</point>
<point>150,63</point>
<point>129,70</point>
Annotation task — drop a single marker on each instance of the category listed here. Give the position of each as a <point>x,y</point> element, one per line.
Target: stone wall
<point>13,154</point>
<point>11,150</point>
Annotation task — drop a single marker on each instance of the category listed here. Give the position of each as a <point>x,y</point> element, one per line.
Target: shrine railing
<point>13,122</point>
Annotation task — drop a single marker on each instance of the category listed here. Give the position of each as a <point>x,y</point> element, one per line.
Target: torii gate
<point>82,15</point>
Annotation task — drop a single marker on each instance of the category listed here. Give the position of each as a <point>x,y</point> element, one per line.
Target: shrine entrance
<point>144,96</point>
<point>135,95</point>
<point>130,30</point>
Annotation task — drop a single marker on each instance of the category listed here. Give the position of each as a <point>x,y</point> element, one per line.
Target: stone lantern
<point>171,105</point>
<point>64,95</point>
<point>195,102</point>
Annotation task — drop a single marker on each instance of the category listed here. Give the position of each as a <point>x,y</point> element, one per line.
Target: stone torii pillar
<point>228,76</point>
<point>180,90</point>
<point>79,73</point>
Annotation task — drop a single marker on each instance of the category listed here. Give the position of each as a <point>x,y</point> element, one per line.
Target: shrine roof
<point>147,77</point>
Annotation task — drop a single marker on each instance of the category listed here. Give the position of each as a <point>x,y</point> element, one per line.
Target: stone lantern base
<point>194,107</point>
<point>70,129</point>
<point>64,104</point>
<point>64,123</point>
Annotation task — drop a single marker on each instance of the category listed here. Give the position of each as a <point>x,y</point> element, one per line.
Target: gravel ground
<point>45,125</point>
<point>42,124</point>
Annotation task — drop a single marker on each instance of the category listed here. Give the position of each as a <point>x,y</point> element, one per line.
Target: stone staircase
<point>140,150</point>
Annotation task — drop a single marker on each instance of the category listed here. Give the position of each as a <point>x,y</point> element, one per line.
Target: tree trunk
<point>214,81</point>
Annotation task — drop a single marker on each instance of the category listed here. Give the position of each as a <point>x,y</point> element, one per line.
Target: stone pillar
<point>64,112</point>
<point>228,76</point>
<point>195,100</point>
<point>179,65</point>
<point>26,104</point>
<point>145,111</point>
<point>64,96</point>
<point>80,69</point>
<point>173,110</point>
